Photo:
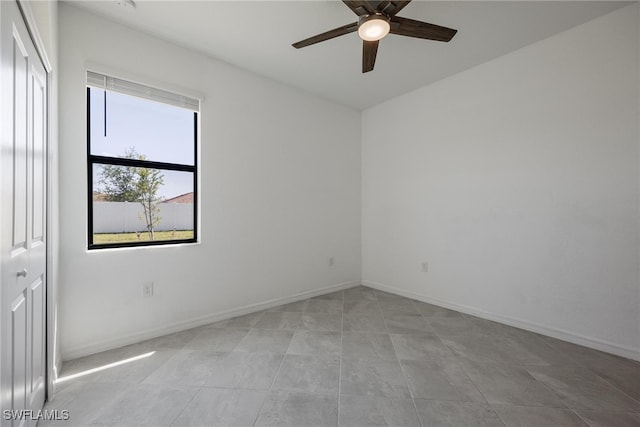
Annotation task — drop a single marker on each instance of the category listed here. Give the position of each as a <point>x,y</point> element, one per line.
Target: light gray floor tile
<point>581,389</point>
<point>453,326</point>
<point>359,296</point>
<point>246,321</point>
<point>623,378</point>
<point>279,320</point>
<point>463,362</point>
<point>105,358</point>
<point>217,339</point>
<point>590,357</point>
<point>361,307</point>
<point>610,419</point>
<point>339,295</point>
<point>294,307</point>
<point>373,378</point>
<point>265,341</point>
<point>526,416</point>
<point>407,324</point>
<point>537,350</point>
<point>325,306</point>
<point>441,380</point>
<point>419,347</point>
<point>309,374</point>
<point>186,367</point>
<point>487,348</point>
<point>364,411</point>
<point>439,413</point>
<point>430,310</point>
<point>491,349</point>
<point>289,409</point>
<point>500,383</point>
<point>131,368</point>
<point>360,293</point>
<point>364,323</point>
<point>318,343</point>
<point>222,407</point>
<point>367,346</point>
<point>146,405</point>
<point>388,296</point>
<point>487,326</point>
<point>135,371</point>
<point>175,341</point>
<point>243,370</point>
<point>83,400</point>
<point>320,322</point>
<point>397,306</point>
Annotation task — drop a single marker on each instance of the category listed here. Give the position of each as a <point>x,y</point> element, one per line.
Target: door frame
<point>53,362</point>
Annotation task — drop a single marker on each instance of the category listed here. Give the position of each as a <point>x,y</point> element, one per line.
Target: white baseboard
<point>97,347</point>
<point>561,334</point>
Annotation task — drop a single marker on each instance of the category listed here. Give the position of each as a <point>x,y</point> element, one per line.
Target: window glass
<point>160,132</point>
<point>128,200</point>
<point>142,176</point>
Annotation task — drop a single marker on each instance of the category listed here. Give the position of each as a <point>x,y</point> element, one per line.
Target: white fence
<point>121,217</point>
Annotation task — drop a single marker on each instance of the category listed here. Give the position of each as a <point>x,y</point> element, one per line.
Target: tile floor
<point>358,357</point>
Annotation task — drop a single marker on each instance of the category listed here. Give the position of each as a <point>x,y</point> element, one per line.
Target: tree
<point>119,182</point>
<point>134,184</point>
<point>148,183</point>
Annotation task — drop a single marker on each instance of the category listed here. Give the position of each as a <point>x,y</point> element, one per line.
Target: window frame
<point>93,160</point>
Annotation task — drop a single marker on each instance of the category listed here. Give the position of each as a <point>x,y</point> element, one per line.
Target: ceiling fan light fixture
<point>373,27</point>
<point>376,19</point>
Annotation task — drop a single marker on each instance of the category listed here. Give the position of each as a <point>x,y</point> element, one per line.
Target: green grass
<point>102,238</point>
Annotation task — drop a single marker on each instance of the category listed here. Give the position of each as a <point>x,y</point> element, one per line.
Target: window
<point>142,164</point>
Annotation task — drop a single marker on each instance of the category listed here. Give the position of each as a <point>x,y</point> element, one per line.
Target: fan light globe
<point>374,29</point>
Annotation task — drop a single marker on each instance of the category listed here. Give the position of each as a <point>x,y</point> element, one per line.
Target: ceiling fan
<point>376,20</point>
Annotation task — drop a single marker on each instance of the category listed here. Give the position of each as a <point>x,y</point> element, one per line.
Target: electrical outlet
<point>425,267</point>
<point>147,289</point>
<point>330,261</point>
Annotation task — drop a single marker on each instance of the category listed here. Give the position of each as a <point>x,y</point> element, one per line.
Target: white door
<point>23,176</point>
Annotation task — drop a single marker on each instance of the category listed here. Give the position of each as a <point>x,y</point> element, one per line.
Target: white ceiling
<point>257,36</point>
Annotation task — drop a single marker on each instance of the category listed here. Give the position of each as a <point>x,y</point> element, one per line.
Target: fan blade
<point>341,31</point>
<point>360,7</point>
<point>421,30</point>
<point>369,52</point>
<point>391,8</point>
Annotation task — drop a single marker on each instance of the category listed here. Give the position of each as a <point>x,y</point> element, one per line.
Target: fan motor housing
<point>377,15</point>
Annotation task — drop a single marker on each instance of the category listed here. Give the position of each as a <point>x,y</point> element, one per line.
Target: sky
<point>161,132</point>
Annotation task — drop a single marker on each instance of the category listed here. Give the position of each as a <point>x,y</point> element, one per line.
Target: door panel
<point>19,341</point>
<point>20,142</point>
<point>38,149</point>
<point>36,326</point>
<point>36,213</point>
<point>23,201</point>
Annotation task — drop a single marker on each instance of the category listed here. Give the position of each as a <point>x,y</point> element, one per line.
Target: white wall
<point>280,188</point>
<point>518,182</point>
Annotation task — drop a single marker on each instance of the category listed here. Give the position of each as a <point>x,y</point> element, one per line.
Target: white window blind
<point>102,81</point>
